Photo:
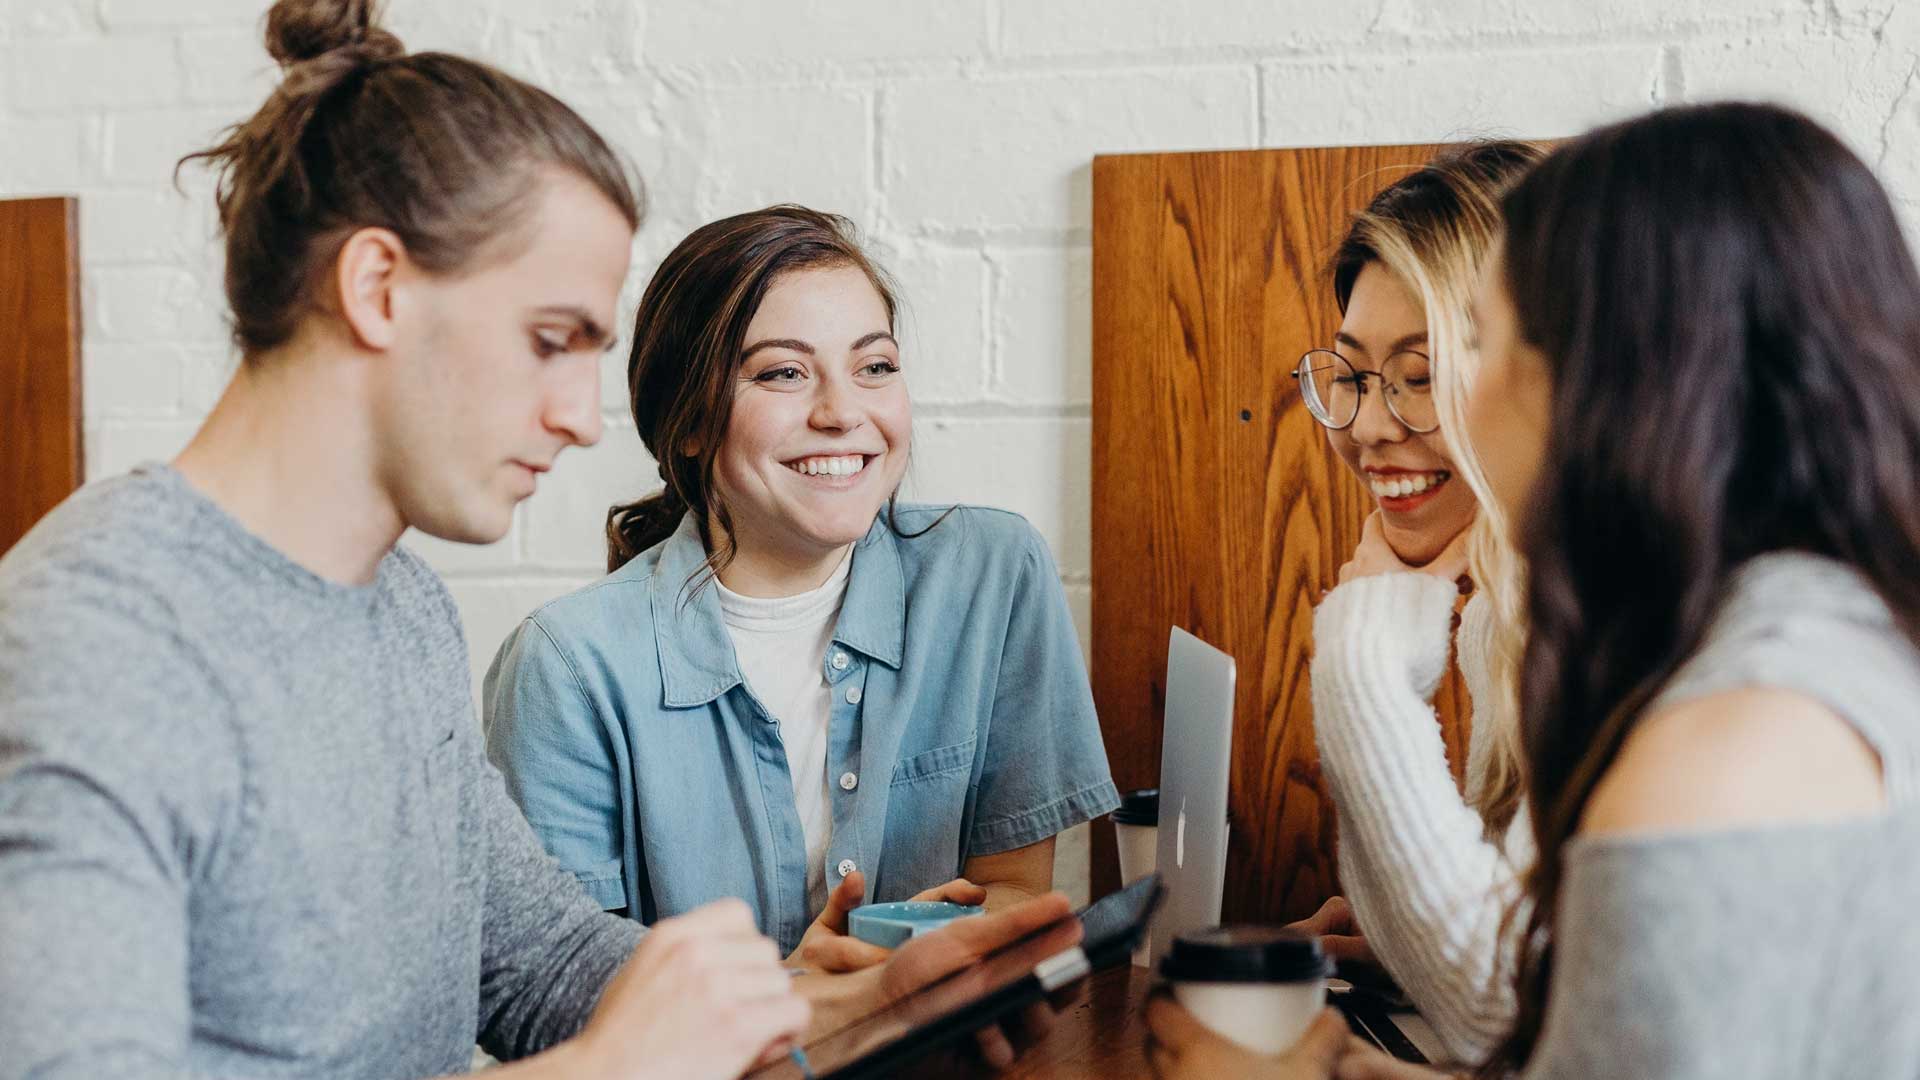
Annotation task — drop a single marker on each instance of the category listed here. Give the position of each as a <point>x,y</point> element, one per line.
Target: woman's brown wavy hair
<point>1731,320</point>
<point>687,341</point>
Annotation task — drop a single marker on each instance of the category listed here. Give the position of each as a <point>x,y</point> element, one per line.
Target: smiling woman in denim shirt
<point>791,688</point>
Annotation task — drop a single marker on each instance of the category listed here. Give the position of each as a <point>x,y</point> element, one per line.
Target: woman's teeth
<point>1401,485</point>
<point>829,466</point>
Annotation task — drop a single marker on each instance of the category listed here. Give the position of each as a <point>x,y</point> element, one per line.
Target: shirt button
<point>853,695</point>
<point>848,781</point>
<point>846,867</point>
<point>840,661</point>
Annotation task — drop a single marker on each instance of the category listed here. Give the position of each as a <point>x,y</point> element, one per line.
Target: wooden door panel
<point>1217,505</point>
<point>40,419</point>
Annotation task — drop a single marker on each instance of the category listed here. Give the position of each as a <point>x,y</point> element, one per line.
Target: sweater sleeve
<point>1427,887</point>
<point>547,950</point>
<point>122,784</point>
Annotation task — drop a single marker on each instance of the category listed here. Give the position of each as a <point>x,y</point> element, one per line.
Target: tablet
<point>1002,983</point>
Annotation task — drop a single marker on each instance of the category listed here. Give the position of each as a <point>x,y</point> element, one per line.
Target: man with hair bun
<point>246,823</point>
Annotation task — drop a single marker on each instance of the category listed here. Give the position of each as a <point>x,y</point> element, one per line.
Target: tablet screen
<point>975,996</point>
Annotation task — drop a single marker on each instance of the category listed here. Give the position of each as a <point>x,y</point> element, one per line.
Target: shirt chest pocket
<point>944,764</point>
<point>927,819</point>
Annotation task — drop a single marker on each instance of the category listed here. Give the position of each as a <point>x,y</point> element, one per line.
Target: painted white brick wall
<point>958,133</point>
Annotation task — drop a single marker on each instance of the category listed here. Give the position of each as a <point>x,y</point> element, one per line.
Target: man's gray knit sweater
<point>246,823</point>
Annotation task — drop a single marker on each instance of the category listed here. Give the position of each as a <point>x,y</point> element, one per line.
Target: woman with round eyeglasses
<point>1427,869</point>
<point>1376,402</point>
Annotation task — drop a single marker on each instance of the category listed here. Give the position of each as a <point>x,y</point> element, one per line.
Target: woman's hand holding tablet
<point>965,979</point>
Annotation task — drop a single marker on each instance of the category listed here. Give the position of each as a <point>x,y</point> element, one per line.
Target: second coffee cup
<point>1136,831</point>
<point>1260,986</point>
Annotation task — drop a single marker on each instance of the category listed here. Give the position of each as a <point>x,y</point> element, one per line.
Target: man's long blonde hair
<point>1433,229</point>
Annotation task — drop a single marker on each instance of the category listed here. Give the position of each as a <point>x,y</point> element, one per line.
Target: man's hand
<point>827,946</point>
<point>1180,1047</point>
<point>704,995</point>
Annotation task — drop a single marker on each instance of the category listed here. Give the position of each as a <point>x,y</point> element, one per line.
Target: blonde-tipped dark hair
<point>1433,229</point>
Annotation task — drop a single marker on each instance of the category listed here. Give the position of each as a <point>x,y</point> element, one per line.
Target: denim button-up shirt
<point>961,710</point>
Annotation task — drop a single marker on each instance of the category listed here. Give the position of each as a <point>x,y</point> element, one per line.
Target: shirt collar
<point>873,620</point>
<point>697,662</point>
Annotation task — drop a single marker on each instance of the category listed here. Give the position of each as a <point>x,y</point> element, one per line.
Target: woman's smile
<point>832,471</point>
<point>1402,491</point>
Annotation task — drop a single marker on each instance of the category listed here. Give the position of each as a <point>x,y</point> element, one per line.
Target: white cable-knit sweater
<point>1428,889</point>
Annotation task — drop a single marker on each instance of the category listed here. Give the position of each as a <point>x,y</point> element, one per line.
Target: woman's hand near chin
<point>1375,556</point>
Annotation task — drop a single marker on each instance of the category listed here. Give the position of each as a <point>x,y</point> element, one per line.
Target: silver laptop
<point>1195,759</point>
<point>1196,753</point>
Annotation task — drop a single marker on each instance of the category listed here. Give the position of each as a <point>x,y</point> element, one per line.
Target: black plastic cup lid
<point>1139,808</point>
<point>1249,954</point>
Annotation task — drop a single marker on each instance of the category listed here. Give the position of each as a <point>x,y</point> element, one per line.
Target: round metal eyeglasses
<point>1333,388</point>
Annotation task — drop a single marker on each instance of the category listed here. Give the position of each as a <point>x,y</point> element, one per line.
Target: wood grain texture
<point>1217,505</point>
<point>40,418</point>
<point>1098,1033</point>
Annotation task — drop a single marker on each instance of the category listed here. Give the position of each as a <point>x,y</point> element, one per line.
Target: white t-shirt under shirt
<point>781,644</point>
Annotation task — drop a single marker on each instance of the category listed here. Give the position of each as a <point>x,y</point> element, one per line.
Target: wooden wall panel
<point>1217,505</point>
<point>40,420</point>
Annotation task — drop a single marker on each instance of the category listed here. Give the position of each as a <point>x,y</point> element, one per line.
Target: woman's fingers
<point>957,891</point>
<point>983,934</point>
<point>1323,1043</point>
<point>844,898</point>
<point>1036,1021</point>
<point>1346,947</point>
<point>840,954</point>
<point>995,1050</point>
<point>1334,917</point>
<point>1170,1024</point>
<point>1452,561</point>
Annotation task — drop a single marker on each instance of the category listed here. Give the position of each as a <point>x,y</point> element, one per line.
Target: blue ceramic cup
<point>890,925</point>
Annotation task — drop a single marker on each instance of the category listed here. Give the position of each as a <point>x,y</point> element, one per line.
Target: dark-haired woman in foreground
<point>791,688</point>
<point>1700,395</point>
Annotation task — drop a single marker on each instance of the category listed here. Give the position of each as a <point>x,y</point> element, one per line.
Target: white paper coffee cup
<point>1136,833</point>
<point>1137,846</point>
<point>1260,986</point>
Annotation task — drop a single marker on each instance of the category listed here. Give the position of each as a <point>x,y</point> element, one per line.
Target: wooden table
<point>1099,1034</point>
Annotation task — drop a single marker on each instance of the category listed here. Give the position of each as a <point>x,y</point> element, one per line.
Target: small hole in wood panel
<point>1246,414</point>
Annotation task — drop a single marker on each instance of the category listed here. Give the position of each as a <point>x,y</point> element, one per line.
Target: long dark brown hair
<point>443,151</point>
<point>1732,325</point>
<point>687,341</point>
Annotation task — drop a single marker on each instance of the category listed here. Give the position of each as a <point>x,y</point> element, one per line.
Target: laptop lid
<point>1195,756</point>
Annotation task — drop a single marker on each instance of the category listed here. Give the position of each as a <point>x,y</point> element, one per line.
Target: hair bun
<point>302,30</point>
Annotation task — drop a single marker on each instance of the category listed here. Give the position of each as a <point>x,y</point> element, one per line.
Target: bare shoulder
<point>1750,756</point>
